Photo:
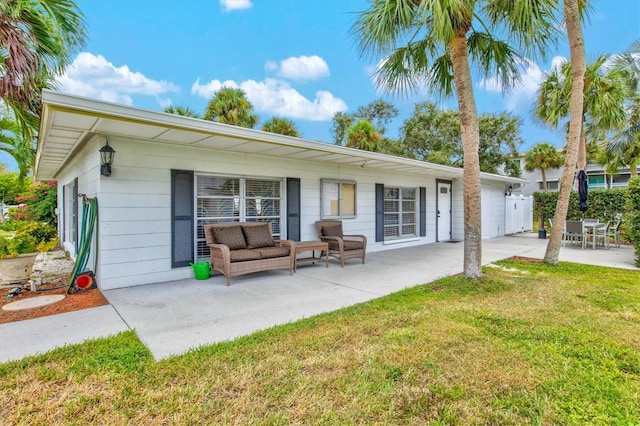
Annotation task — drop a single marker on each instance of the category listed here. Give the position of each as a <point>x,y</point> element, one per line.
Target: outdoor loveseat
<point>240,248</point>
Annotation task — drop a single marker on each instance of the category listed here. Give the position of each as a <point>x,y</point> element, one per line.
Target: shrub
<point>632,215</point>
<point>29,238</point>
<point>604,204</point>
<point>38,203</point>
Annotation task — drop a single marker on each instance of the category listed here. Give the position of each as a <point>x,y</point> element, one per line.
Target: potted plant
<point>18,250</point>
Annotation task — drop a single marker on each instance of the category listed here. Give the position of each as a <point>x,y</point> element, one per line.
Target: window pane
<point>408,230</point>
<point>348,199</point>
<point>409,193</point>
<point>391,232</point>
<point>218,207</point>
<point>408,218</point>
<point>391,206</point>
<point>218,186</point>
<point>262,188</point>
<point>391,193</point>
<point>391,219</point>
<point>330,195</point>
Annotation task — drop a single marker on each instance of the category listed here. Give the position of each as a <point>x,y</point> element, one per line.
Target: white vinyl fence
<point>518,214</point>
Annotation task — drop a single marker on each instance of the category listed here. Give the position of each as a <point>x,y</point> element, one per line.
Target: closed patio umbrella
<point>582,190</point>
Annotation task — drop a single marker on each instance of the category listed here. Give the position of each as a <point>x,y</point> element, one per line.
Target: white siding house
<point>171,174</point>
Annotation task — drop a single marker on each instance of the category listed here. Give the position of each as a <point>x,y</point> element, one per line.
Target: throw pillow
<point>258,235</point>
<point>332,230</point>
<point>231,237</point>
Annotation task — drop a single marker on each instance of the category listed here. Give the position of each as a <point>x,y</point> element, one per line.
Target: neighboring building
<point>172,174</point>
<point>598,179</point>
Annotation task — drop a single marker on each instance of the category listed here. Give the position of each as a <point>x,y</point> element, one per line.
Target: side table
<point>312,246</point>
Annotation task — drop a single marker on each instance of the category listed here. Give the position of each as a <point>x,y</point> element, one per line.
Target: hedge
<point>632,215</point>
<point>604,204</point>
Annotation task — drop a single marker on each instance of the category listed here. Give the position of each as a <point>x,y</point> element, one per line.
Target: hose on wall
<point>87,237</point>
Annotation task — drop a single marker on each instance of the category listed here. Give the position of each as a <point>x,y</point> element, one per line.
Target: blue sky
<point>293,58</point>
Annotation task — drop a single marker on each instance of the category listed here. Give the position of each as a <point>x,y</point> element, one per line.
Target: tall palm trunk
<point>544,178</point>
<point>470,146</point>
<point>578,67</point>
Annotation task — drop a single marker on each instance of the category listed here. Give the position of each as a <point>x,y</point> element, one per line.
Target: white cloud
<point>207,90</point>
<point>278,98</point>
<point>522,96</point>
<point>231,5</point>
<point>94,77</point>
<point>300,68</point>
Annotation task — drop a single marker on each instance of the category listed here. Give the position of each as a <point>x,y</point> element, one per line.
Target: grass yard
<point>527,344</point>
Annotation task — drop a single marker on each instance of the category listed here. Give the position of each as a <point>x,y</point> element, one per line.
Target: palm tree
<point>38,39</point>
<point>231,106</point>
<point>626,141</point>
<point>17,144</point>
<point>573,10</point>
<point>543,156</point>
<point>281,126</point>
<point>364,135</point>
<point>432,43</point>
<point>184,111</point>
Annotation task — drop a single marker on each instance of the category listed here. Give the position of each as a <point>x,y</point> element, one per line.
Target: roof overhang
<point>68,122</point>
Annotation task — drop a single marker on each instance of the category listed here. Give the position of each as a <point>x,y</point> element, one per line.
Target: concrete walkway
<point>171,318</point>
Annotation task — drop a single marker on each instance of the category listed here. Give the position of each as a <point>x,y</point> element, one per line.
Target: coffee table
<point>312,246</point>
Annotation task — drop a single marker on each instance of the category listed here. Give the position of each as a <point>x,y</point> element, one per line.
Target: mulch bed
<point>71,302</point>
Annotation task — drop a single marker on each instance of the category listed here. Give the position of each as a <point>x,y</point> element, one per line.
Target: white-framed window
<point>400,213</point>
<point>236,199</point>
<point>338,199</point>
<point>552,185</point>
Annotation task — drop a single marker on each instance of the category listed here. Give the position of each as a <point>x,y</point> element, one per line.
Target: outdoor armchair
<point>342,247</point>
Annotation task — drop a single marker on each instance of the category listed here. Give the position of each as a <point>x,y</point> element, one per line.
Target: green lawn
<point>527,344</point>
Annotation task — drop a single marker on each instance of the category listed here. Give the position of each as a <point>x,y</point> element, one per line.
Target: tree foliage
<point>364,135</point>
<point>231,106</point>
<point>17,143</point>
<point>184,111</point>
<point>38,39</point>
<point>379,113</point>
<point>433,134</point>
<point>281,126</point>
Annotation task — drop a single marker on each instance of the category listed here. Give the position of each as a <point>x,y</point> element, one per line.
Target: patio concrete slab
<point>174,317</point>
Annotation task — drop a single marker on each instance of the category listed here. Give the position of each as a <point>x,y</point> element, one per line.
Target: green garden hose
<point>89,221</point>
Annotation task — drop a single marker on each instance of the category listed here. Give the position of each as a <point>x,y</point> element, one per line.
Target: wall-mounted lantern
<point>106,159</point>
<point>508,190</point>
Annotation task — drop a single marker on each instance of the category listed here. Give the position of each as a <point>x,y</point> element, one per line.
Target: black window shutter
<point>181,218</point>
<point>379,212</point>
<point>293,209</point>
<point>423,211</point>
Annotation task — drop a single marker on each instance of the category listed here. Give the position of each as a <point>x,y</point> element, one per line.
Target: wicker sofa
<point>239,248</point>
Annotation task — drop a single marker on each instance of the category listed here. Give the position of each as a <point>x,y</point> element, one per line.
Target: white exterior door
<point>444,211</point>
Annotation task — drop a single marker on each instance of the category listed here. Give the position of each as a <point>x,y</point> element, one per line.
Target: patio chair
<point>574,232</point>
<point>342,247</point>
<point>614,232</point>
<point>602,234</point>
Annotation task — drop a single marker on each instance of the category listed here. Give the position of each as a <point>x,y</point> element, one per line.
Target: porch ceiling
<point>68,122</point>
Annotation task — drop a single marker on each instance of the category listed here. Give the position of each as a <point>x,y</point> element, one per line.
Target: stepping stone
<point>33,302</point>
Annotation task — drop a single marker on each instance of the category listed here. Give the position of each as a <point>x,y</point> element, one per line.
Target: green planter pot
<point>15,269</point>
